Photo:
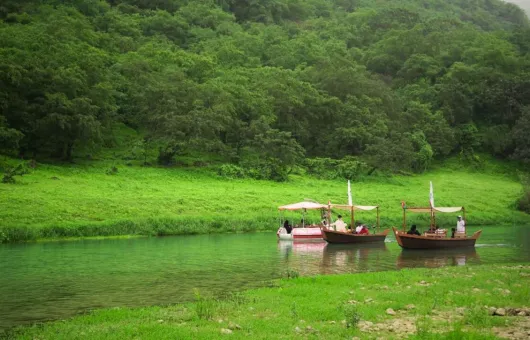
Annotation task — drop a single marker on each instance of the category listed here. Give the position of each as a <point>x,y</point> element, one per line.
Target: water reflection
<point>437,258</point>
<point>355,257</point>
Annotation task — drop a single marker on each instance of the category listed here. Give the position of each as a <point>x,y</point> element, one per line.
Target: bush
<point>11,171</point>
<point>351,315</point>
<point>327,168</point>
<point>523,203</point>
<point>231,171</point>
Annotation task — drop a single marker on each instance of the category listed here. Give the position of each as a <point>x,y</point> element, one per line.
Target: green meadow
<point>445,303</point>
<point>81,200</point>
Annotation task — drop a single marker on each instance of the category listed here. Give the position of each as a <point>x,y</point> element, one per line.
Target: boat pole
<point>352,227</point>
<point>377,219</point>
<point>404,220</point>
<point>464,214</point>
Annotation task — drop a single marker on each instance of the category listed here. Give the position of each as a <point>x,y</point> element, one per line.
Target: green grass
<point>82,200</point>
<point>448,303</point>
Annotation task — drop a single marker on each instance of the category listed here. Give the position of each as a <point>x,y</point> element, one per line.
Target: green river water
<point>54,280</point>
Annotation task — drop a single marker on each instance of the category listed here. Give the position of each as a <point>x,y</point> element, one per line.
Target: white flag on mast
<point>350,201</point>
<point>431,196</point>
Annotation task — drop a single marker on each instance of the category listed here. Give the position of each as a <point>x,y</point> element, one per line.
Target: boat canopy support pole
<point>464,214</point>
<point>377,219</point>
<point>404,219</point>
<point>352,227</point>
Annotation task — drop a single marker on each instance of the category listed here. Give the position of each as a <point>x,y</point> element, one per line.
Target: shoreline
<point>451,301</point>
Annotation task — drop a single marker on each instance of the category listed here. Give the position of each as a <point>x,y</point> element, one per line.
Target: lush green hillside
<point>265,83</point>
<point>91,200</point>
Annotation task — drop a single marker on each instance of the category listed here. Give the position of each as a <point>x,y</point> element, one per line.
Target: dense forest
<point>265,84</point>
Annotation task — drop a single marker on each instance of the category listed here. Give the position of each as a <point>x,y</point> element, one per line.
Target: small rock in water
<point>297,329</point>
<point>390,311</point>
<point>411,306</point>
<point>343,322</point>
<point>521,313</point>
<point>309,328</point>
<point>461,310</point>
<point>385,287</point>
<point>160,321</point>
<point>368,300</point>
<point>492,310</point>
<point>500,312</point>
<point>476,290</point>
<point>220,320</point>
<point>332,322</point>
<point>352,302</point>
<point>226,331</point>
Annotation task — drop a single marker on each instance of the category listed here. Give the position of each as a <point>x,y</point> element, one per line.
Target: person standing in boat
<point>339,224</point>
<point>460,225</point>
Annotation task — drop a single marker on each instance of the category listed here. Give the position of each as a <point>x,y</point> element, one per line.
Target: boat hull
<point>300,234</point>
<point>424,242</point>
<point>339,237</point>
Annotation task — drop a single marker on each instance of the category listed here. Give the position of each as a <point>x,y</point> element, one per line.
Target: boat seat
<point>460,235</point>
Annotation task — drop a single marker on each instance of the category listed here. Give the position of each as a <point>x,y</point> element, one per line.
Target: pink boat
<point>308,232</point>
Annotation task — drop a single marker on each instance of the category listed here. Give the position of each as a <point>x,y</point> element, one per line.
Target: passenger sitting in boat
<point>364,231</point>
<point>413,231</point>
<point>339,224</point>
<point>287,227</point>
<point>453,230</point>
<point>358,228</point>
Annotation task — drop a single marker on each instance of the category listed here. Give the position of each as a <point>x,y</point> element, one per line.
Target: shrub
<point>231,171</point>
<point>523,203</point>
<point>11,171</point>
<point>351,315</point>
<point>327,168</point>
<point>204,307</point>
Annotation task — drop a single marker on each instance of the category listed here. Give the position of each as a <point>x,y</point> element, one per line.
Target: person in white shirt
<point>358,228</point>
<point>460,225</point>
<point>339,224</point>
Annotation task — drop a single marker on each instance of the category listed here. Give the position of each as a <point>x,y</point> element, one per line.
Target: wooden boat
<point>333,236</point>
<point>433,242</point>
<point>437,239</point>
<point>343,237</point>
<point>306,232</point>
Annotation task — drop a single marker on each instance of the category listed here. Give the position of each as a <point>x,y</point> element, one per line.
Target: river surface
<point>55,280</point>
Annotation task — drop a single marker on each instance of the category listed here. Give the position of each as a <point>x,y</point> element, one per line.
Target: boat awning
<point>302,205</point>
<point>355,207</point>
<point>437,209</point>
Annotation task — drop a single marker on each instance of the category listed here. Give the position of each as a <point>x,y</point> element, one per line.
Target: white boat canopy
<point>355,207</point>
<point>437,209</point>
<point>302,205</point>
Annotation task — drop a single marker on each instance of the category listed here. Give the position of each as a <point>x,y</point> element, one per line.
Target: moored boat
<point>435,238</point>
<point>333,236</point>
<point>344,236</point>
<point>304,232</point>
<point>434,242</point>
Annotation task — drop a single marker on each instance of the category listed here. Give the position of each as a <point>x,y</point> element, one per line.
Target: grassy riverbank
<point>82,200</point>
<point>450,302</point>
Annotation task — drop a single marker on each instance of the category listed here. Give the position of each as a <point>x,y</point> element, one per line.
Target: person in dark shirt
<point>413,231</point>
<point>287,227</point>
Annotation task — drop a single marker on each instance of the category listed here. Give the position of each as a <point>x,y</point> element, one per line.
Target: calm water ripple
<point>54,280</point>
